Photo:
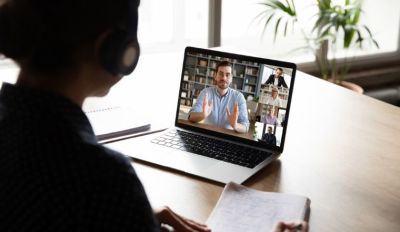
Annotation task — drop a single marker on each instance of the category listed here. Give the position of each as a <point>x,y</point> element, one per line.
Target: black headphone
<point>119,52</point>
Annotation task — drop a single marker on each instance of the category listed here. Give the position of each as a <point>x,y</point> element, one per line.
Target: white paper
<point>113,122</point>
<point>243,209</point>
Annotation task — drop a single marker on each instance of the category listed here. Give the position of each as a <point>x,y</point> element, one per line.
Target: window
<point>170,25</point>
<point>240,30</point>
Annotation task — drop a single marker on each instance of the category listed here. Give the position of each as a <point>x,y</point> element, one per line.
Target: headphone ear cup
<point>119,54</point>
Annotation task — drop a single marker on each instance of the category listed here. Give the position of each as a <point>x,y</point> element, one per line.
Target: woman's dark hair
<point>45,35</point>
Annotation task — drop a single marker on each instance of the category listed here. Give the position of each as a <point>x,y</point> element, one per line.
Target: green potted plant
<point>334,26</point>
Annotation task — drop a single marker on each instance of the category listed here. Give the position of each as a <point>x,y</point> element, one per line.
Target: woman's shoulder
<point>105,158</point>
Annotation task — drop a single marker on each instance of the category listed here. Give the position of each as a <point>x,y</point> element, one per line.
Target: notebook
<point>115,122</point>
<point>240,208</point>
<point>211,148</point>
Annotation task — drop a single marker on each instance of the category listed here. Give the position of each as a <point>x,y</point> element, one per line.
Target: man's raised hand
<point>207,106</point>
<point>233,117</point>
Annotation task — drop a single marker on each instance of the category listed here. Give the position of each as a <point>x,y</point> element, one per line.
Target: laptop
<point>211,148</point>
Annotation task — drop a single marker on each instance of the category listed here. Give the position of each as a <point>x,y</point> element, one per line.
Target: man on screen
<point>277,79</point>
<point>274,99</point>
<point>269,138</point>
<point>221,105</point>
<point>269,117</point>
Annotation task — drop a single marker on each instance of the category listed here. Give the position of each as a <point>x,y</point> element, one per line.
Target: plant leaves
<point>266,23</point>
<point>286,27</point>
<point>319,23</point>
<point>376,43</point>
<point>277,27</point>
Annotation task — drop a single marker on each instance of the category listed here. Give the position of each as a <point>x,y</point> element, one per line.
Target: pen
<point>166,227</point>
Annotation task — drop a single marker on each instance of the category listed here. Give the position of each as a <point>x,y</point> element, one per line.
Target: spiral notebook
<point>240,208</point>
<point>116,122</point>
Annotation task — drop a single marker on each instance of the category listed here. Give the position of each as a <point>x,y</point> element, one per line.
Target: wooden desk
<point>342,151</point>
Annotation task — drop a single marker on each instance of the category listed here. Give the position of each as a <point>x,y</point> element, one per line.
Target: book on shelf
<point>202,62</point>
<point>212,72</point>
<point>185,85</point>
<point>240,208</point>
<point>186,76</point>
<point>252,71</point>
<point>116,121</point>
<point>248,88</point>
<point>213,64</point>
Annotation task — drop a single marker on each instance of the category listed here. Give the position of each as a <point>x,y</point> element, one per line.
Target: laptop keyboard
<point>213,148</point>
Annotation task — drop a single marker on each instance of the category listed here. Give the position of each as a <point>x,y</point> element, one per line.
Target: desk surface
<point>342,151</point>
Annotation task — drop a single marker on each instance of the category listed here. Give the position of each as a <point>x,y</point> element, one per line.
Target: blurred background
<point>239,26</point>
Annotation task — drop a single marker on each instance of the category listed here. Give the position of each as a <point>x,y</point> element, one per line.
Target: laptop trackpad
<point>144,150</point>
<point>187,162</point>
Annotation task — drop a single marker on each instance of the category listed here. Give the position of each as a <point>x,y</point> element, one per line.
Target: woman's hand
<point>291,226</point>
<point>166,216</point>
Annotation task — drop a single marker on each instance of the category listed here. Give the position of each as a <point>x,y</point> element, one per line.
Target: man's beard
<point>223,85</point>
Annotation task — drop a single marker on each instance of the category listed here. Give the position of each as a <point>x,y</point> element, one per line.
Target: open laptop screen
<point>234,96</point>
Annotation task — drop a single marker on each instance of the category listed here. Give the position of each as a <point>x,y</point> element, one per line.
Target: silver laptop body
<point>249,76</point>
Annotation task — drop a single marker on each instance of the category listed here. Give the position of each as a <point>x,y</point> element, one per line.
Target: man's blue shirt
<point>218,115</point>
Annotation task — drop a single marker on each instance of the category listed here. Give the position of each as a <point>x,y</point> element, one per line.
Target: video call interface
<point>260,91</point>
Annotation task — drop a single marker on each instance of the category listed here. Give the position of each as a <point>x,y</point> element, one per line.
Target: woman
<point>54,174</point>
